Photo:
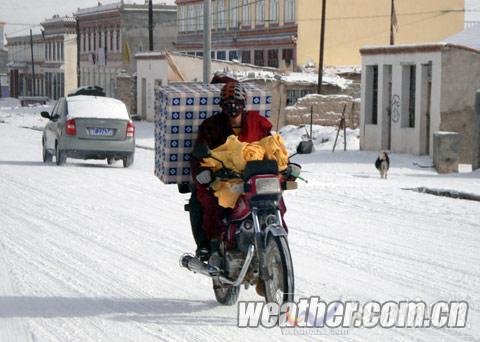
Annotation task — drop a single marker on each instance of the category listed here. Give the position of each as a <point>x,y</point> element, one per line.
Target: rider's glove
<point>293,170</point>
<point>204,177</point>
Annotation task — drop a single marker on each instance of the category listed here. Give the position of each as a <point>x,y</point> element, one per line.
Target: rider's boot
<point>215,259</point>
<point>203,252</point>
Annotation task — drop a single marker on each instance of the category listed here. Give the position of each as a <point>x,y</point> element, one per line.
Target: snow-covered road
<point>89,252</point>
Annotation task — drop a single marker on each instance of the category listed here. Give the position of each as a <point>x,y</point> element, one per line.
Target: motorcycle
<point>254,249</point>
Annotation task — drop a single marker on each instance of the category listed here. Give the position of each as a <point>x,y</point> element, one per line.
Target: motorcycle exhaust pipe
<point>195,265</point>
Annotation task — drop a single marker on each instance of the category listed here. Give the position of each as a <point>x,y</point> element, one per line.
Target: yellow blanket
<point>235,155</point>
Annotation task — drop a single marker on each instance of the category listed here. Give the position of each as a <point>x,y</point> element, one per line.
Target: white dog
<point>383,164</point>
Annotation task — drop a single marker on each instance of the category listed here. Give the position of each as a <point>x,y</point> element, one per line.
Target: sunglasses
<point>233,108</point>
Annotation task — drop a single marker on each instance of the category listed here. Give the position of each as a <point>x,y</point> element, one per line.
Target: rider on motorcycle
<point>208,217</point>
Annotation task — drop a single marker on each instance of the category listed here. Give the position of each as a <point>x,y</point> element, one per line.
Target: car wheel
<point>128,160</point>
<point>60,156</point>
<point>47,156</point>
<point>110,160</point>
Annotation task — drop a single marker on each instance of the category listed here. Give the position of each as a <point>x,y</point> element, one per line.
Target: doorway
<point>387,108</point>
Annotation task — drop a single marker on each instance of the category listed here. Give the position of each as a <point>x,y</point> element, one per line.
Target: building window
<point>199,17</point>
<point>189,17</point>
<point>294,94</point>
<point>54,48</point>
<point>84,40</point>
<point>222,55</point>
<point>246,58</point>
<point>371,105</point>
<point>221,14</point>
<point>273,58</point>
<point>258,58</point>
<point>233,20</point>
<point>61,51</point>
<point>289,11</point>
<point>46,52</point>
<point>273,11</point>
<point>181,18</point>
<point>260,12</point>
<point>100,36</point>
<point>117,40</point>
<point>110,33</point>
<point>408,95</point>
<point>245,12</point>
<point>89,41</point>
<point>232,55</point>
<point>287,56</point>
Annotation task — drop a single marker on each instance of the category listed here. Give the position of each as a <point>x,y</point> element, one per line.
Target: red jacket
<point>215,130</point>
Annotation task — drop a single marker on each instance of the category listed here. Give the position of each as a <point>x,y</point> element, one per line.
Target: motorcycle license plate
<point>102,132</point>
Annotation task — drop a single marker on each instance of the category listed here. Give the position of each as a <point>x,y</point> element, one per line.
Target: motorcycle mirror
<point>305,147</point>
<point>201,151</point>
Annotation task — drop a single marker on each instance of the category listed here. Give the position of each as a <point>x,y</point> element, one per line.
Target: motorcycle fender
<point>275,230</point>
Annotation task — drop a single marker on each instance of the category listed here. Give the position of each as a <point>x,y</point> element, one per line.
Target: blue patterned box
<point>179,110</point>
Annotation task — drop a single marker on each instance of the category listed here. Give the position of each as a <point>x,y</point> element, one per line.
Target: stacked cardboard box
<point>179,110</point>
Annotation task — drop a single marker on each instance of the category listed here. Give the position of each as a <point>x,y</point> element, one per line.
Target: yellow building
<point>267,32</point>
<point>352,24</point>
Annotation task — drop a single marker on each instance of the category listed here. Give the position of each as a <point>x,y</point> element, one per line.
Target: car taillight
<point>130,129</point>
<point>71,128</point>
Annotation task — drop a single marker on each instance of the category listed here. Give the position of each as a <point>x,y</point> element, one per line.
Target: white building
<point>411,91</point>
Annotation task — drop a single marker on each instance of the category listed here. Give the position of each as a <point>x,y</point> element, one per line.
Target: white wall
<point>403,139</point>
<point>156,67</point>
<point>151,70</point>
<point>70,62</point>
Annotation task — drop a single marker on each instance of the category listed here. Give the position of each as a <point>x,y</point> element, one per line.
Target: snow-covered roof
<point>130,5</point>
<point>290,78</point>
<point>98,9</point>
<point>413,48</point>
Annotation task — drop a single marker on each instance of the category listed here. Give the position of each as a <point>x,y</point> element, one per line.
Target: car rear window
<point>96,107</point>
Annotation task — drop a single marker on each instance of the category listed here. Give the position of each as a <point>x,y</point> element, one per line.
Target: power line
<point>177,21</point>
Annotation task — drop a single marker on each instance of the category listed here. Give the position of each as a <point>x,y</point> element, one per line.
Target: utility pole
<point>392,24</point>
<point>150,25</point>
<point>322,43</point>
<point>33,64</point>
<point>207,41</point>
<point>78,51</point>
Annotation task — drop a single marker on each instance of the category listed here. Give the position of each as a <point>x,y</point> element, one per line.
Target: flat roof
<point>412,48</point>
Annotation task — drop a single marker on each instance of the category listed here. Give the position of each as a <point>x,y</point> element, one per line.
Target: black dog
<point>383,164</point>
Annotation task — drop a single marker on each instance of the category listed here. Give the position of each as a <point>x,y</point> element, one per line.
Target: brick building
<point>111,34</point>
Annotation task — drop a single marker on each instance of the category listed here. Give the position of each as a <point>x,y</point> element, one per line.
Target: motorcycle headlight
<point>266,186</point>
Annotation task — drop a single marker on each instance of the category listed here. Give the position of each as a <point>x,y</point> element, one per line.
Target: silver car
<point>89,127</point>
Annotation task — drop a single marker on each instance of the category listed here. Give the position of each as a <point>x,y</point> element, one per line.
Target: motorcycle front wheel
<point>279,285</point>
<point>226,295</point>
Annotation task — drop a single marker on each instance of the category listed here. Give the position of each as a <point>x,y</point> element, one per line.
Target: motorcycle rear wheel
<point>226,295</point>
<point>279,287</point>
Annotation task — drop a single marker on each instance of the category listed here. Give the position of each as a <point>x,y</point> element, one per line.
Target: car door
<point>50,136</point>
<point>61,117</point>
